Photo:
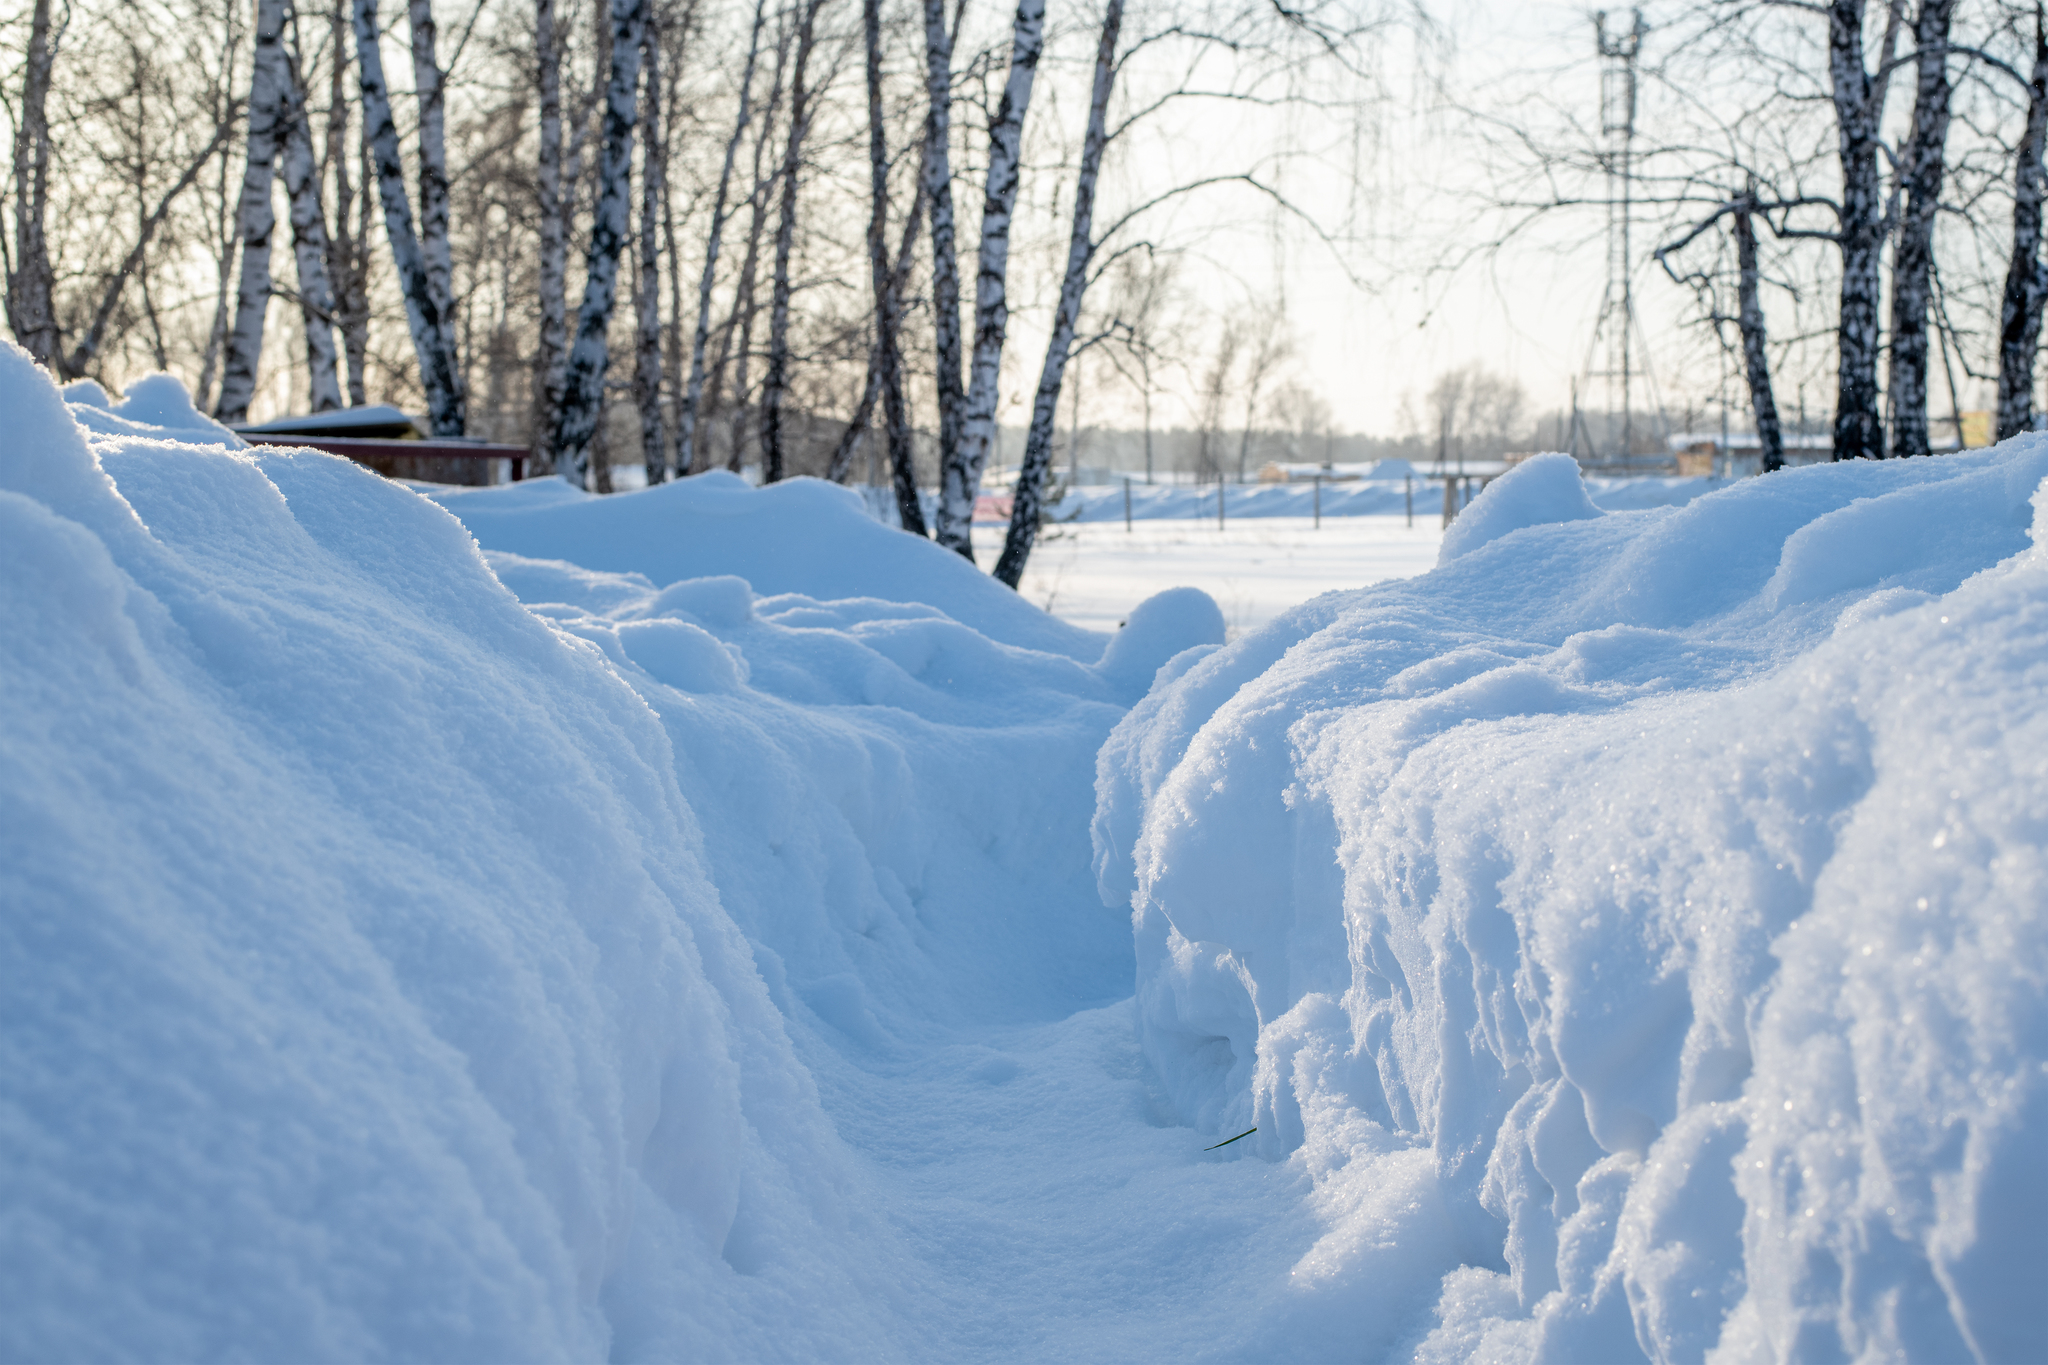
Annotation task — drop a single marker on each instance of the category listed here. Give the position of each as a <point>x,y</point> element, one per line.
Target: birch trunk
<point>693,390</point>
<point>583,391</point>
<point>1027,504</point>
<point>959,481</point>
<point>269,115</point>
<point>647,274</point>
<point>429,88</point>
<point>889,360</point>
<point>1859,114</point>
<point>346,268</point>
<point>423,316</point>
<point>1919,185</point>
<point>32,284</point>
<point>309,252</point>
<point>740,324</point>
<point>777,384</point>
<point>2026,282</point>
<point>937,181</point>
<point>552,352</point>
<point>1756,360</point>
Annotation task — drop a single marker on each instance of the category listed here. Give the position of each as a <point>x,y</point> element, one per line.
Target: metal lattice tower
<point>1615,334</point>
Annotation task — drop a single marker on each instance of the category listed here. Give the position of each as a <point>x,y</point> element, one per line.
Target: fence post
<point>1408,487</point>
<point>1219,504</point>
<point>1319,502</point>
<point>1127,506</point>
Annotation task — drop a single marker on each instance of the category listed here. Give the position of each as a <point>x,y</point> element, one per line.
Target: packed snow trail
<point>668,964</point>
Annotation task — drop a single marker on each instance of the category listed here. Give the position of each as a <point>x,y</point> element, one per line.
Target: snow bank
<point>392,970</point>
<point>801,535</point>
<point>1635,928</point>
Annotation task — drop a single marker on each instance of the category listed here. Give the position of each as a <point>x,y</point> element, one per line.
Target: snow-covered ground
<point>706,924</point>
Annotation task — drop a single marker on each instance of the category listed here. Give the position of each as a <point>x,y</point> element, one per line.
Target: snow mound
<point>366,992</point>
<point>800,535</point>
<point>1634,930</point>
<point>1540,491</point>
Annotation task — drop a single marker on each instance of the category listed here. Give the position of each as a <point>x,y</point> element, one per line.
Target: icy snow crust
<point>1627,938</point>
<point>1635,925</point>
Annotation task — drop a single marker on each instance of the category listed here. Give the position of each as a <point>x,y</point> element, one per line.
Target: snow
<point>671,926</point>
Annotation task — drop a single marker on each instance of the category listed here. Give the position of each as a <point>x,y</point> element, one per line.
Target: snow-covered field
<point>705,924</point>
<point>1093,573</point>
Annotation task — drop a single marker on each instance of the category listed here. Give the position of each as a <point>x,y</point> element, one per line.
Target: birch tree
<point>551,352</point>
<point>936,180</point>
<point>888,314</point>
<point>1027,502</point>
<point>583,389</point>
<point>31,279</point>
<point>1858,94</point>
<point>309,249</point>
<point>1919,197</point>
<point>432,329</point>
<point>348,265</point>
<point>269,115</point>
<point>961,479</point>
<point>430,84</point>
<point>2026,280</point>
<point>776,388</point>
<point>1756,361</point>
<point>647,272</point>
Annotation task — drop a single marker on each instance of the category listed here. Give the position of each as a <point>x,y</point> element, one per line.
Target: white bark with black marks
<point>1919,193</point>
<point>429,87</point>
<point>438,376</point>
<point>589,356</point>
<point>269,116</point>
<point>937,185</point>
<point>309,252</point>
<point>32,282</point>
<point>1750,321</point>
<point>347,249</point>
<point>1027,503</point>
<point>647,269</point>
<point>2026,281</point>
<point>1861,229</point>
<point>551,354</point>
<point>959,481</point>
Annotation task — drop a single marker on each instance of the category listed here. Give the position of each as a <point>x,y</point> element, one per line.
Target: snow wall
<point>390,971</point>
<point>1637,927</point>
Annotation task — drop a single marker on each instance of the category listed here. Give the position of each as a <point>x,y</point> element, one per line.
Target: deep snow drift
<point>1639,923</point>
<point>1627,938</point>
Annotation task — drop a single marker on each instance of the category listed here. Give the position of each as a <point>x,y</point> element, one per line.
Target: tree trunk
<point>429,83</point>
<point>583,391</point>
<point>423,316</point>
<point>1027,504</point>
<point>1859,114</point>
<point>347,266</point>
<point>1919,185</point>
<point>1750,319</point>
<point>269,116</point>
<point>551,355</point>
<point>693,392</point>
<point>2026,283</point>
<point>777,385</point>
<point>32,284</point>
<point>309,252</point>
<point>937,182</point>
<point>888,321</point>
<point>647,274</point>
<point>959,481</point>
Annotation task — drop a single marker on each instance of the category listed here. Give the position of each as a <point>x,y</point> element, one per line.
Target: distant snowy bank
<point>664,927</point>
